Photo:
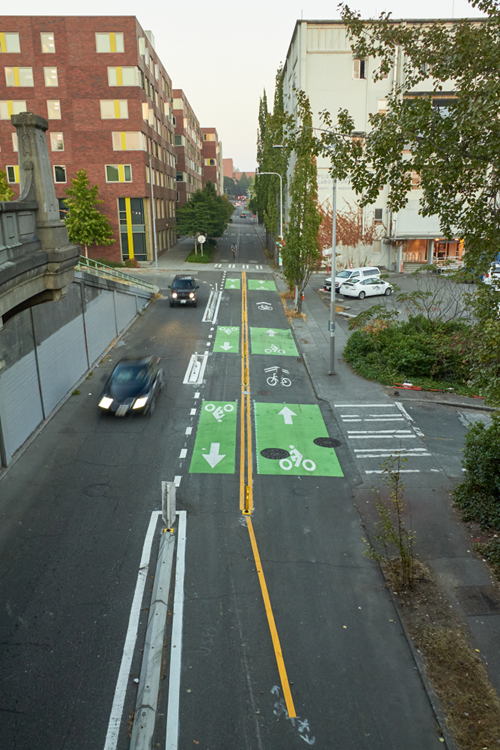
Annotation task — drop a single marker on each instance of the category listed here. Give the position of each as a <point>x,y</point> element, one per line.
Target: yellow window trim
<point>117,109</point>
<point>121,173</point>
<point>10,109</point>
<point>123,140</point>
<point>119,77</point>
<point>130,236</point>
<point>3,44</point>
<point>17,82</point>
<point>112,42</point>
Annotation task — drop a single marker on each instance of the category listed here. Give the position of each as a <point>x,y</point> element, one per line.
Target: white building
<point>320,62</point>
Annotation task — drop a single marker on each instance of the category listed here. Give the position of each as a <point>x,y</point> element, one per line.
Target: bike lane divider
<point>261,285</point>
<point>273,341</point>
<point>293,439</point>
<point>227,339</point>
<point>232,284</point>
<point>215,445</point>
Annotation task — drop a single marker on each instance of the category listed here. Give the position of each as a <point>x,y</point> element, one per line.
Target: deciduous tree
<point>204,213</point>
<point>6,192</point>
<point>86,225</point>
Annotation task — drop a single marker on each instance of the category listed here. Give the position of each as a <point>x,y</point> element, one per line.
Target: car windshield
<point>130,374</point>
<point>344,274</point>
<point>183,284</point>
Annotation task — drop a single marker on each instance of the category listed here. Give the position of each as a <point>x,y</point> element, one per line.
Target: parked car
<point>493,276</point>
<point>352,274</point>
<point>362,288</point>
<point>133,386</point>
<point>183,291</point>
<point>243,216</point>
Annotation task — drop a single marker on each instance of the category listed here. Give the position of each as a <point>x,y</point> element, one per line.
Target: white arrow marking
<point>287,415</point>
<point>271,333</point>
<point>214,456</point>
<point>226,345</point>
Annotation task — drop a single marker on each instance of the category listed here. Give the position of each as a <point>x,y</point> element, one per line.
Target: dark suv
<point>183,291</point>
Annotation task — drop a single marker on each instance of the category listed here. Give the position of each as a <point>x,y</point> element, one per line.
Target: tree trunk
<point>196,244</point>
<point>86,251</point>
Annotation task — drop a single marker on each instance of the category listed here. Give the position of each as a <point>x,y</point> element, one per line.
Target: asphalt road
<point>333,671</point>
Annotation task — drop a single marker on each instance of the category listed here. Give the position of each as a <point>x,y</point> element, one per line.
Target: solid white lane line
<point>396,450</point>
<point>372,436</point>
<point>387,455</point>
<point>379,432</point>
<point>174,682</point>
<point>183,453</point>
<point>363,406</point>
<point>177,481</point>
<point>376,419</point>
<point>403,411</point>
<point>202,371</point>
<point>131,637</point>
<point>401,471</point>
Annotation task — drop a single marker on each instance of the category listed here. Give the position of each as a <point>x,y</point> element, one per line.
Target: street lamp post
<point>153,208</point>
<point>331,323</point>
<point>281,201</point>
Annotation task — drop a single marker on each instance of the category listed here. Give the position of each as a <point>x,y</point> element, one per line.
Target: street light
<point>153,207</point>
<point>281,198</point>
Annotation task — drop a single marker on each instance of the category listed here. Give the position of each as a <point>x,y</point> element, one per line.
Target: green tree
<point>453,145</point>
<point>204,213</point>
<point>302,250</point>
<point>230,187</point>
<point>86,225</point>
<point>6,192</point>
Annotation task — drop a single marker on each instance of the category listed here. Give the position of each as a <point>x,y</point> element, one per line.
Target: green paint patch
<point>261,285</point>
<point>286,433</point>
<point>215,445</point>
<point>227,339</point>
<point>232,284</point>
<point>273,341</point>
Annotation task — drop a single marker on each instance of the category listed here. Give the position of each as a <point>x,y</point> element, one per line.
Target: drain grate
<point>327,442</point>
<point>275,453</point>
<point>479,600</point>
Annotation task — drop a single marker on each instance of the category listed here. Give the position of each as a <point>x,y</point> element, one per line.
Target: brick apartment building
<point>108,101</point>
<point>187,148</point>
<point>211,153</point>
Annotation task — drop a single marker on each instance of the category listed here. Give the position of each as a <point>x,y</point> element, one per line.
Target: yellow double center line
<point>246,493</point>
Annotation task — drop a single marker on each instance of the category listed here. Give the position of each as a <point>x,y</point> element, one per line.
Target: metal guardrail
<point>114,274</point>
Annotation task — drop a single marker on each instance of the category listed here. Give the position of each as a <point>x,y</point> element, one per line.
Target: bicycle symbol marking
<point>274,350</point>
<point>296,459</point>
<point>274,379</point>
<point>264,306</point>
<point>227,330</point>
<point>219,411</point>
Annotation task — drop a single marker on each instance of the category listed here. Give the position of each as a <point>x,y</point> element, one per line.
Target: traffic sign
<point>293,439</point>
<point>215,445</point>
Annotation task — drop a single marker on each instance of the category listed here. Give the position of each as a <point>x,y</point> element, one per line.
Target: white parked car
<point>493,276</point>
<point>351,274</point>
<point>365,288</point>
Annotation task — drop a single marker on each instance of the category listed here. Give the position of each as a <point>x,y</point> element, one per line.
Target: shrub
<point>208,252</point>
<point>478,496</point>
<point>108,262</point>
<point>131,263</point>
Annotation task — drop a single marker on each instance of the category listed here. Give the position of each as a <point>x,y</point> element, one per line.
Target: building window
<point>56,142</point>
<point>122,76</point>
<point>179,177</point>
<point>8,108</point>
<point>63,211</point>
<point>50,75</point>
<point>59,174</point>
<point>19,77</point>
<point>382,106</point>
<point>377,246</point>
<point>13,174</point>
<point>179,140</point>
<point>378,216</point>
<point>54,109</point>
<point>14,142</point>
<point>142,45</point>
<point>9,42</point>
<point>415,181</point>
<point>132,228</point>
<point>118,173</point>
<point>359,68</point>
<point>145,111</point>
<point>210,162</point>
<point>111,42</point>
<point>128,142</point>
<point>48,43</point>
<point>114,109</point>
<point>157,71</point>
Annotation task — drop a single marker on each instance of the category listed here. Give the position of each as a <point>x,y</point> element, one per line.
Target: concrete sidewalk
<point>442,540</point>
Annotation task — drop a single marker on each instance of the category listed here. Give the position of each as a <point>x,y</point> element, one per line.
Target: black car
<point>183,291</point>
<point>133,386</point>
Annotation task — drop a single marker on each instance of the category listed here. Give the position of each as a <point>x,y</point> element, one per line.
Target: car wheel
<point>361,295</point>
<point>388,291</point>
<point>151,407</point>
<point>195,304</point>
<point>171,303</point>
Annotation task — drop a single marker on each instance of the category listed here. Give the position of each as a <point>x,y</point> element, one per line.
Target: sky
<point>224,53</point>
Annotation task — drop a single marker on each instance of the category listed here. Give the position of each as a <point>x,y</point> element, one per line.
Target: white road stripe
<point>197,395</point>
<point>396,450</point>
<point>403,411</point>
<point>192,412</point>
<point>387,455</point>
<point>188,430</point>
<point>401,471</point>
<point>377,419</point>
<point>363,406</point>
<point>379,432</point>
<point>177,481</point>
<point>131,637</point>
<point>174,681</point>
<point>183,453</point>
<point>373,436</point>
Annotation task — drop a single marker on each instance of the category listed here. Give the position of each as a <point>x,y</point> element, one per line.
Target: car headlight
<point>174,294</point>
<point>140,402</point>
<point>191,295</point>
<point>105,402</point>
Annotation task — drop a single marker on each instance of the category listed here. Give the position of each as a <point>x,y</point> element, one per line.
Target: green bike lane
<point>342,646</point>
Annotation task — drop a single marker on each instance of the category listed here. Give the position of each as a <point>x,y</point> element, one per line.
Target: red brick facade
<point>94,99</point>
<point>187,148</point>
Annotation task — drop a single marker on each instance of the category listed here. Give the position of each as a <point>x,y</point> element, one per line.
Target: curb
<point>149,681</point>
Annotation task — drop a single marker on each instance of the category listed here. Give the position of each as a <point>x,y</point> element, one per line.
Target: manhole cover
<point>479,600</point>
<point>97,490</point>
<point>276,453</point>
<point>264,393</point>
<point>327,442</point>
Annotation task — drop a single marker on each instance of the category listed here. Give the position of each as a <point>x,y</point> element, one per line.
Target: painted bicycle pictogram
<point>297,459</point>
<point>274,350</point>
<point>274,378</point>
<point>219,411</point>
